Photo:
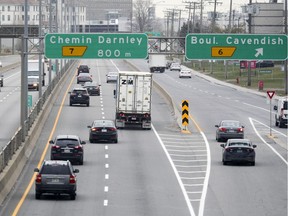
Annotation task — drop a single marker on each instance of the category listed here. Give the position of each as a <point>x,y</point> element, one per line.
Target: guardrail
<point>13,145</point>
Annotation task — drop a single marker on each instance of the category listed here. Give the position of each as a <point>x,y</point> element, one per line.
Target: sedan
<point>84,77</point>
<point>229,129</point>
<point>67,147</point>
<point>93,88</point>
<point>103,130</point>
<point>111,77</point>
<point>185,73</point>
<point>175,66</point>
<point>238,150</point>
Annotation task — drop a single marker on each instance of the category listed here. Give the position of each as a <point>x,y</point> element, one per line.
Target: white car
<point>185,73</point>
<point>175,66</point>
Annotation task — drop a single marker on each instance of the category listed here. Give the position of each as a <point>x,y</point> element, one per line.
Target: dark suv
<point>67,147</point>
<point>79,96</point>
<point>56,177</point>
<point>83,69</point>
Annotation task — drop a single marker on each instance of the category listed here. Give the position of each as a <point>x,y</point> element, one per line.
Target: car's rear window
<point>65,142</point>
<point>103,124</point>
<point>79,91</point>
<point>56,169</point>
<point>231,124</point>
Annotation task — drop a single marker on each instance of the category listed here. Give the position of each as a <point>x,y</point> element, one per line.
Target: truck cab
<point>281,115</point>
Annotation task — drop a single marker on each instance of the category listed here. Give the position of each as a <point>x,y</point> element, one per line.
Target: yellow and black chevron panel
<point>185,112</point>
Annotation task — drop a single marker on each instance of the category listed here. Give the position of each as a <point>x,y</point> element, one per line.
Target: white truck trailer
<point>157,63</point>
<point>281,115</point>
<point>133,99</point>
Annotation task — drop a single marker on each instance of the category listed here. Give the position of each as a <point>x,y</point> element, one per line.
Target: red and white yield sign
<point>270,94</point>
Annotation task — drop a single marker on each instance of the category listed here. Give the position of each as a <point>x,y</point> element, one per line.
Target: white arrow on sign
<point>259,52</point>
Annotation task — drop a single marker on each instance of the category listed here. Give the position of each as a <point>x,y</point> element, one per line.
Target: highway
<point>162,171</point>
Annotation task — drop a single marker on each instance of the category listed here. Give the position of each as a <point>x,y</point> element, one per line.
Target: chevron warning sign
<point>185,112</point>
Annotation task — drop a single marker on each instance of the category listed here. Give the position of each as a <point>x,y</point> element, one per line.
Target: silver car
<point>111,77</point>
<point>56,177</point>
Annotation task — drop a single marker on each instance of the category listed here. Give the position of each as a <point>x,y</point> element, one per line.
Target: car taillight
<point>95,129</point>
<point>229,150</point>
<point>72,179</point>
<point>78,147</point>
<point>73,94</point>
<point>122,115</point>
<point>55,147</point>
<point>222,129</point>
<point>146,115</point>
<point>240,129</point>
<point>112,129</point>
<point>38,178</point>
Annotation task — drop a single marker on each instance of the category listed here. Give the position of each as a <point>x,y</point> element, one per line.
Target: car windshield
<point>65,142</point>
<point>55,169</point>
<point>113,74</point>
<point>230,124</point>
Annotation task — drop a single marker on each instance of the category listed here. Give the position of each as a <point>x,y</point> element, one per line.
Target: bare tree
<point>142,19</point>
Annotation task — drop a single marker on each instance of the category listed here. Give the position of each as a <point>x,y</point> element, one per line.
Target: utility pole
<point>189,7</point>
<point>216,2</point>
<point>249,62</point>
<point>286,61</point>
<point>230,12</point>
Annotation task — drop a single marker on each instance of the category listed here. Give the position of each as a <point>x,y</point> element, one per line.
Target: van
<point>281,115</point>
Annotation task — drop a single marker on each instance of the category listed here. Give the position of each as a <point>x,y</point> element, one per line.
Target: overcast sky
<point>222,6</point>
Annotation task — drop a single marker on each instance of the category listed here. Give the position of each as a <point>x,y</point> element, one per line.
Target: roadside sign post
<point>236,46</point>
<point>99,46</point>
<point>270,95</point>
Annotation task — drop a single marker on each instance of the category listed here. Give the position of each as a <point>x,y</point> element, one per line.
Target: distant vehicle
<point>33,69</point>
<point>33,83</point>
<point>84,77</point>
<point>56,177</point>
<point>111,77</point>
<point>175,66</point>
<point>185,73</point>
<point>93,88</point>
<point>229,129</point>
<point>67,147</point>
<point>281,115</point>
<point>103,130</point>
<point>157,63</point>
<point>1,81</point>
<point>79,96</point>
<point>83,69</point>
<point>261,64</point>
<point>133,99</point>
<point>238,150</point>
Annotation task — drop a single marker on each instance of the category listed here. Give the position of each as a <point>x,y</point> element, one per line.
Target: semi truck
<point>133,99</point>
<point>157,63</point>
<point>33,69</point>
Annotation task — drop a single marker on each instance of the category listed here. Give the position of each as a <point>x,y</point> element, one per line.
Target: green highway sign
<point>29,101</point>
<point>236,46</point>
<point>101,46</point>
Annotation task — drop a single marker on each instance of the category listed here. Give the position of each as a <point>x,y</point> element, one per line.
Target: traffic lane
<point>50,210</point>
<point>232,111</point>
<point>10,59</point>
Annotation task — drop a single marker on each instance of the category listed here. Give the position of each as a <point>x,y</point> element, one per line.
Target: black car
<point>262,64</point>
<point>103,130</point>
<point>84,77</point>
<point>238,150</point>
<point>93,88</point>
<point>67,147</point>
<point>1,81</point>
<point>83,69</point>
<point>79,96</point>
<point>56,177</point>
